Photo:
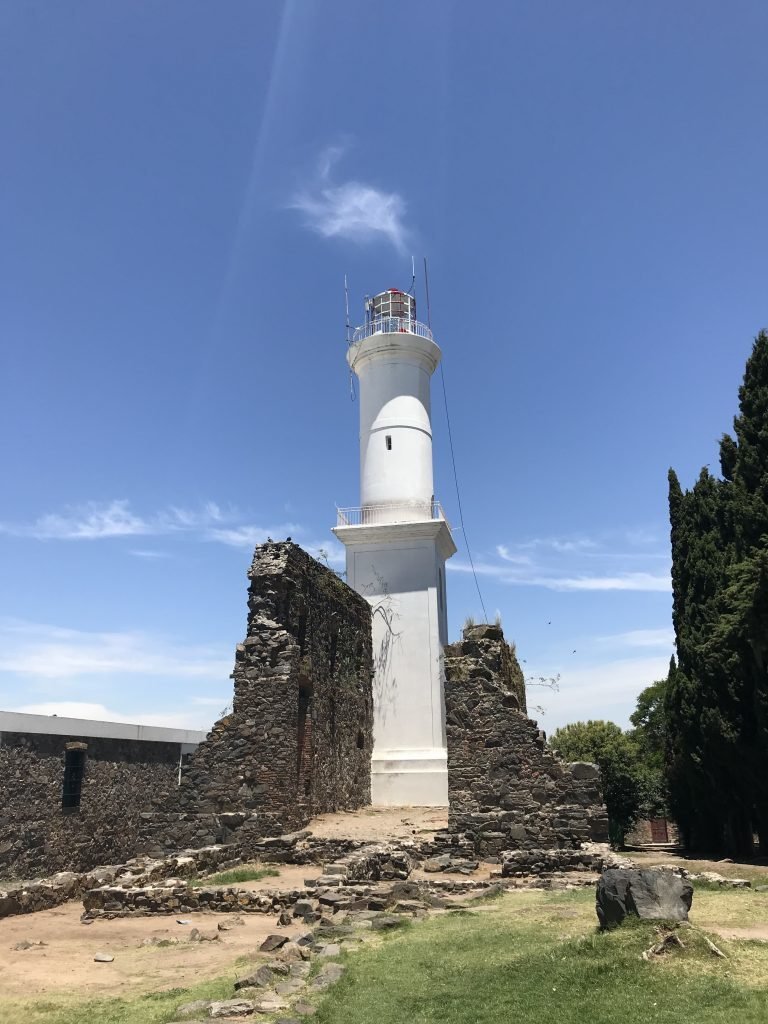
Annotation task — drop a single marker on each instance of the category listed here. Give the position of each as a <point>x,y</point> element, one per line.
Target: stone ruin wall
<point>299,738</point>
<point>298,742</point>
<point>506,789</point>
<point>38,838</point>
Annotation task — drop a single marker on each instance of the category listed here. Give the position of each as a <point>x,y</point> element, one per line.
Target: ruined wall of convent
<point>506,789</point>
<point>39,836</point>
<point>299,737</point>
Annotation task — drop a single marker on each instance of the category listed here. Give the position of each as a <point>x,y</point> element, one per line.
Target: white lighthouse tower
<point>397,545</point>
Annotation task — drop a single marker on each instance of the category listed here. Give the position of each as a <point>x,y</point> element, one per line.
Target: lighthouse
<point>397,543</point>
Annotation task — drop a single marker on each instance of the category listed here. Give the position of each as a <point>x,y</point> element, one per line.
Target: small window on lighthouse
<point>388,439</point>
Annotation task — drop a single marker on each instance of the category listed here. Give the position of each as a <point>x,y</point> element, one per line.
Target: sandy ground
<point>758,932</point>
<point>65,965</point>
<point>381,823</point>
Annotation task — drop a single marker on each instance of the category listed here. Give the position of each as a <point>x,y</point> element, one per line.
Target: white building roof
<point>55,725</point>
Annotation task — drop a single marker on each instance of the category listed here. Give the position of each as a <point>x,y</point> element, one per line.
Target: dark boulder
<point>651,895</point>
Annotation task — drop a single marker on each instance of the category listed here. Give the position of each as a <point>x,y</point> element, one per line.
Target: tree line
<point>699,745</point>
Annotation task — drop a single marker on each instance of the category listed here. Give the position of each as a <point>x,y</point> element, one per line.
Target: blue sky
<point>183,187</point>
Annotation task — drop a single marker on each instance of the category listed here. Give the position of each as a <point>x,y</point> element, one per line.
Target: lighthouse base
<point>409,778</point>
<point>400,569</point>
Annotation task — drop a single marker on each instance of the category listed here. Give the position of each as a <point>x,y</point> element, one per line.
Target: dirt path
<point>65,965</point>
<point>758,932</point>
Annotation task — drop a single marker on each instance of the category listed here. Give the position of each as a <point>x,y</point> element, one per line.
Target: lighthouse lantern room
<point>397,543</point>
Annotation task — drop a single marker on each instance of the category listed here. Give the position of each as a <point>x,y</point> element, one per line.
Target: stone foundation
<point>506,790</point>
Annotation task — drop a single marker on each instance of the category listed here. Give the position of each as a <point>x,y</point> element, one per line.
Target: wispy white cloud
<point>534,577</point>
<point>93,521</point>
<point>605,690</point>
<point>508,556</point>
<point>664,637</point>
<point>99,520</point>
<point>561,544</point>
<point>249,535</point>
<point>352,209</point>
<point>645,581</point>
<point>41,651</point>
<point>569,564</point>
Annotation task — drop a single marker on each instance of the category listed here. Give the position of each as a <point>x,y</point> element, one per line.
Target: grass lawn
<point>234,875</point>
<point>526,958</point>
<point>756,873</point>
<point>536,958</point>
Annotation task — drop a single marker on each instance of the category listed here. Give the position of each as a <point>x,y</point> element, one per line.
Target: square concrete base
<point>404,778</point>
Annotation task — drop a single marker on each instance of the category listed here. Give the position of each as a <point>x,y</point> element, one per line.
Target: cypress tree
<point>717,693</point>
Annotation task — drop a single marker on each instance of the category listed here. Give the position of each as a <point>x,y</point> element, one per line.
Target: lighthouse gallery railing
<point>392,325</point>
<point>377,515</point>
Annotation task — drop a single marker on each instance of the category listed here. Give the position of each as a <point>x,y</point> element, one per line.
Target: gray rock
<point>233,922</point>
<point>270,1005</point>
<point>289,988</point>
<point>198,1007</point>
<point>332,949</point>
<point>278,967</point>
<point>290,951</point>
<point>584,770</point>
<point>103,958</point>
<point>300,970</point>
<point>437,863</point>
<point>304,1009</point>
<point>273,942</point>
<point>234,1008</point>
<point>302,907</point>
<point>650,895</point>
<point>260,978</point>
<point>385,922</point>
<point>328,974</point>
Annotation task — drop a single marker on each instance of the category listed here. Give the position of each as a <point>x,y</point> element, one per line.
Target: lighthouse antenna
<point>413,276</point>
<point>426,292</point>
<point>346,307</point>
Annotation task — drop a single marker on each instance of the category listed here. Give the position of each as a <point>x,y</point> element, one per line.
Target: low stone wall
<point>506,789</point>
<point>520,863</point>
<point>44,893</point>
<point>116,901</point>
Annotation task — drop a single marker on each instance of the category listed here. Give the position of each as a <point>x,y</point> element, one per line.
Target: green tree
<point>618,756</point>
<point>649,733</point>
<point>649,720</point>
<point>716,699</point>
